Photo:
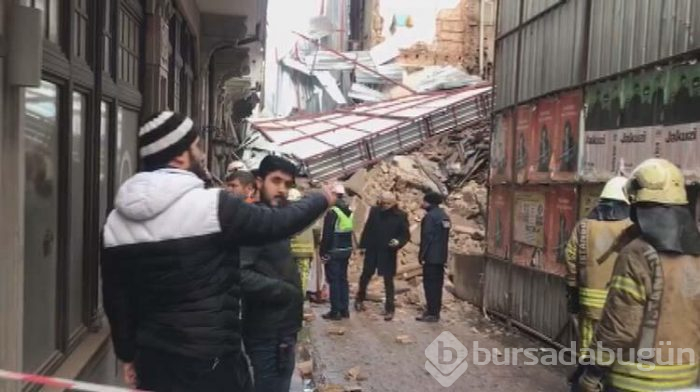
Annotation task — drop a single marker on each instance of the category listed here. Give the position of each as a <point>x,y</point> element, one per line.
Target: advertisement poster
<point>529,226</point>
<point>560,220</point>
<point>635,145</point>
<point>566,139</point>
<point>599,156</point>
<point>542,161</point>
<point>589,198</point>
<point>643,99</point>
<point>501,148</point>
<point>680,145</point>
<point>684,95</point>
<point>524,146</point>
<point>500,208</point>
<point>603,106</point>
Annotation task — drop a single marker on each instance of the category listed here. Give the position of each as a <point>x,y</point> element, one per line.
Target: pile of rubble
<point>454,167</point>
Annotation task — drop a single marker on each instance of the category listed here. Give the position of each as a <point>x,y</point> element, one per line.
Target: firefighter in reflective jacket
<point>336,248</point>
<point>590,257</point>
<point>648,338</point>
<point>302,246</point>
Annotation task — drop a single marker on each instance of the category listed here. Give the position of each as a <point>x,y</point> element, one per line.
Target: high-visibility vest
<point>342,240</point>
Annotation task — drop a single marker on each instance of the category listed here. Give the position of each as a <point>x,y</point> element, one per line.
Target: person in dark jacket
<point>273,300</point>
<point>169,267</point>
<point>434,241</point>
<point>335,250</point>
<point>386,231</point>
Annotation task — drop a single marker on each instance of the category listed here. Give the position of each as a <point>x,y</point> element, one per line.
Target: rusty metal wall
<point>506,70</point>
<point>552,49</point>
<point>508,15</point>
<point>497,286</point>
<point>468,277</point>
<point>627,34</point>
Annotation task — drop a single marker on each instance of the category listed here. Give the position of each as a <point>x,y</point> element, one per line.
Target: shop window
<point>52,17</point>
<point>108,38</point>
<point>81,30</point>
<point>126,152</point>
<point>40,224</point>
<point>77,205</point>
<point>128,47</point>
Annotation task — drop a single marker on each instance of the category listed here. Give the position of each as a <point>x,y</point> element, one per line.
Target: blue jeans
<point>337,276</point>
<point>273,362</point>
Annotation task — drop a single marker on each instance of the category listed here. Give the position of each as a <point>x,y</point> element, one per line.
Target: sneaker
<point>333,316</point>
<point>359,306</point>
<point>388,316</point>
<point>428,318</point>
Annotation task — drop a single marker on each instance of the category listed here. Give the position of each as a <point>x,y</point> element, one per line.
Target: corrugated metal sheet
<point>337,143</point>
<point>506,70</point>
<point>538,300</point>
<point>532,8</point>
<point>497,286</point>
<point>508,15</point>
<point>552,48</point>
<point>628,34</point>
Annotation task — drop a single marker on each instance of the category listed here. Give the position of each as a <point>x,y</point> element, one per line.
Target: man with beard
<point>386,231</point>
<point>273,301</point>
<point>170,268</point>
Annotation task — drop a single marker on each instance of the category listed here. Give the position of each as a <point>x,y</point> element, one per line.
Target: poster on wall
<point>680,145</point>
<point>524,141</point>
<point>501,148</point>
<point>643,98</point>
<point>683,95</point>
<point>635,145</point>
<point>590,194</point>
<point>566,138</point>
<point>599,156</point>
<point>603,102</point>
<point>560,220</point>
<point>545,127</point>
<point>529,226</point>
<point>500,208</point>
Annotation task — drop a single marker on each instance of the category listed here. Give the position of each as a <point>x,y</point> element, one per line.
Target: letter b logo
<point>446,359</point>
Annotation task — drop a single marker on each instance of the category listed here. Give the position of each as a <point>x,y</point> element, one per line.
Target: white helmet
<point>294,195</point>
<point>615,189</point>
<point>235,166</point>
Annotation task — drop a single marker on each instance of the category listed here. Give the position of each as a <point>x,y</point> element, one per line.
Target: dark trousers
<point>433,280</point>
<point>273,362</point>
<point>337,277</point>
<point>366,276</point>
<point>159,371</point>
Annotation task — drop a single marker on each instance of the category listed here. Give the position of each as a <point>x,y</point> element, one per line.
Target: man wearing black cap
<point>434,238</point>
<point>170,267</point>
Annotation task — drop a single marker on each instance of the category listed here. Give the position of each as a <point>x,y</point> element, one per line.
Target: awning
<point>334,144</point>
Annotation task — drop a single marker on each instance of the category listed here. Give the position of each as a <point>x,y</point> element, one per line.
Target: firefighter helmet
<point>615,189</point>
<point>657,181</point>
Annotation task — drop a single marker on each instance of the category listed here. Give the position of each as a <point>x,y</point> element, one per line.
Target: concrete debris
<point>306,368</point>
<point>353,388</point>
<point>331,388</point>
<point>404,339</point>
<point>440,78</point>
<point>355,374</point>
<point>336,331</point>
<point>309,316</point>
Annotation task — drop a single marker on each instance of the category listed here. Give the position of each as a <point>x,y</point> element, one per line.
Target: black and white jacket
<point>170,266</point>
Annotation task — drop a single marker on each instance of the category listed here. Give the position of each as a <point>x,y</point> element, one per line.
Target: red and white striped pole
<point>55,382</point>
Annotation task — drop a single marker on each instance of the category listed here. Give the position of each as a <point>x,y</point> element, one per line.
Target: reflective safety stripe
<point>629,286</point>
<point>586,330</point>
<point>344,222</point>
<point>302,249</point>
<point>593,298</point>
<point>640,377</point>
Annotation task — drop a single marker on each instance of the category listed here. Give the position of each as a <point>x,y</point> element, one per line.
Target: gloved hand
<point>394,243</point>
<point>572,296</point>
<point>590,381</point>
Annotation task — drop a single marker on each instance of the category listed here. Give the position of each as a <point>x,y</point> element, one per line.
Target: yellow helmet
<point>615,189</point>
<point>657,181</point>
<point>294,195</point>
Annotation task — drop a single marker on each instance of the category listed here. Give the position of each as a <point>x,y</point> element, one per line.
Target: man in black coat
<point>273,300</point>
<point>386,231</point>
<point>434,239</point>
